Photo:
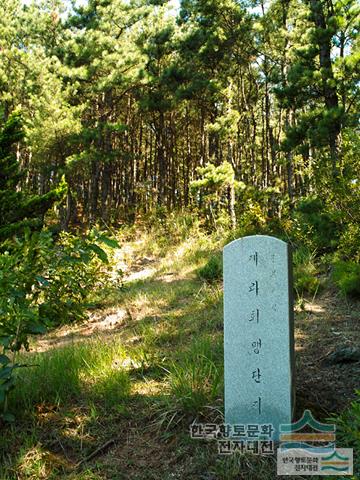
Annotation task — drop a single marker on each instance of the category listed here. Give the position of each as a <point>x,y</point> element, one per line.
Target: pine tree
<point>18,209</point>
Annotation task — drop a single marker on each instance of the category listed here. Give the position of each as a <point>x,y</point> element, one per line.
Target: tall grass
<point>196,378</point>
<point>78,372</point>
<point>212,270</point>
<point>305,271</point>
<point>346,276</point>
<point>348,430</point>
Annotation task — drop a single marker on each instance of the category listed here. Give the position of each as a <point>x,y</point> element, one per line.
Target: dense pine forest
<point>128,101</point>
<point>137,138</point>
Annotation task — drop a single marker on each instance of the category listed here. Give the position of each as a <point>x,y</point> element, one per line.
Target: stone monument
<point>258,332</point>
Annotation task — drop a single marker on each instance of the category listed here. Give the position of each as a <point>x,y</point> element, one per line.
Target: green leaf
<point>5,341</point>
<point>42,280</point>
<point>4,360</point>
<point>5,372</point>
<point>112,243</point>
<point>93,233</point>
<point>99,252</point>
<point>8,384</point>
<point>36,329</point>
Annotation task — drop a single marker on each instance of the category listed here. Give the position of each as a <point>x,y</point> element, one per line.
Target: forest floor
<point>148,331</point>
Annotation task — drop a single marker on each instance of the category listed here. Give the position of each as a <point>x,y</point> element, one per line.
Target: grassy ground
<point>114,398</point>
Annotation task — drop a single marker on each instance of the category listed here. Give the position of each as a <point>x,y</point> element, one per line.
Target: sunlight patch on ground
<point>313,307</point>
<point>97,323</point>
<point>300,339</point>
<point>38,463</point>
<point>141,275</point>
<point>147,388</point>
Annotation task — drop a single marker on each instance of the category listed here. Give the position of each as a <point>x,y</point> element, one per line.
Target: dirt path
<point>329,324</point>
<point>103,321</point>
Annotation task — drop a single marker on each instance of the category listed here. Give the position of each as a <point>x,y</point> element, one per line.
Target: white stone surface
<point>258,331</point>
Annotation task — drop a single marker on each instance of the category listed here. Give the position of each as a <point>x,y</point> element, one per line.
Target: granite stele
<point>259,332</point>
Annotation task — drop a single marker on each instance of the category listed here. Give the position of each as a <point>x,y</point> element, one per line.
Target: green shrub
<point>319,227</point>
<point>349,245</point>
<point>305,271</point>
<point>346,276</point>
<point>73,272</point>
<point>41,285</point>
<point>348,431</point>
<point>212,270</point>
<point>21,282</point>
<point>251,221</point>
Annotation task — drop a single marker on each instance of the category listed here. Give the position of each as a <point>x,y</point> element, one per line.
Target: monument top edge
<point>248,237</point>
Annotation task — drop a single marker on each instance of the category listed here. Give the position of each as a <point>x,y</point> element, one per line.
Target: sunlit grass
<point>196,377</point>
<point>74,373</point>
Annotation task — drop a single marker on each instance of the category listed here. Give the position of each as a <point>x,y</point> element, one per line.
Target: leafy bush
<point>74,271</point>
<point>212,270</point>
<point>320,228</point>
<point>252,220</point>
<point>41,284</point>
<point>349,245</point>
<point>346,276</point>
<point>20,289</point>
<point>305,271</point>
